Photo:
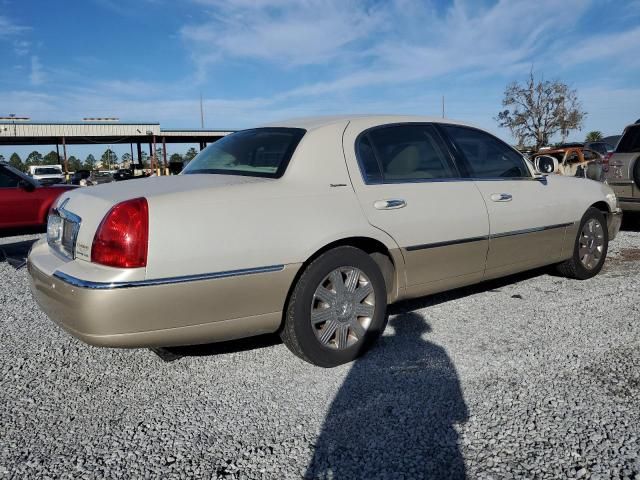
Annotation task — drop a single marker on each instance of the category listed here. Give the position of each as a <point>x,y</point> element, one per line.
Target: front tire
<point>590,247</point>
<point>337,308</point>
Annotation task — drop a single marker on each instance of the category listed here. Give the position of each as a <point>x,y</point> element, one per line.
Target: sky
<point>254,61</point>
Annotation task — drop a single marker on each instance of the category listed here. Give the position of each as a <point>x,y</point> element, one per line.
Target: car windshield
<point>259,152</point>
<point>47,171</point>
<point>630,141</point>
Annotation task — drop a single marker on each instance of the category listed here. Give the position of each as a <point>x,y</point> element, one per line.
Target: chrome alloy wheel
<point>342,308</point>
<point>591,244</point>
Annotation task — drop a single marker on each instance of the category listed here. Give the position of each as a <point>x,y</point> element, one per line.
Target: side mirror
<point>26,186</point>
<point>546,164</point>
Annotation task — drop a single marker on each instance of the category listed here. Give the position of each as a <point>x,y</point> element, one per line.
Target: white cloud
<point>619,45</point>
<point>21,47</point>
<point>284,32</point>
<point>8,28</point>
<point>36,76</point>
<point>506,37</point>
<point>393,43</point>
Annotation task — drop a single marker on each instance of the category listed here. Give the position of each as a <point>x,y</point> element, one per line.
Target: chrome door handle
<point>501,197</point>
<point>389,204</point>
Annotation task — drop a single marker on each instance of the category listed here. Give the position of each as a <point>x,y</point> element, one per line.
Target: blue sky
<point>260,60</point>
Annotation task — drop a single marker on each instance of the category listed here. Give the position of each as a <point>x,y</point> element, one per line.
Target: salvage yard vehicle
<point>24,202</point>
<point>624,169</point>
<point>310,228</point>
<point>570,160</point>
<point>82,178</point>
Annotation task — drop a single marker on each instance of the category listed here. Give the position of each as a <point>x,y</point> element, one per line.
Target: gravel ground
<point>532,376</point>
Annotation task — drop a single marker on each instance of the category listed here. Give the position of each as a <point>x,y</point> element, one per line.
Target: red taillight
<point>122,237</point>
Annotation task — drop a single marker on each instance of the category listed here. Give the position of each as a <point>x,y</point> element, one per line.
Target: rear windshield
<point>259,152</point>
<point>47,171</point>
<point>630,141</point>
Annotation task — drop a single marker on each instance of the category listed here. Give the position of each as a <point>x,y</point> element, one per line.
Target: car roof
<point>310,123</point>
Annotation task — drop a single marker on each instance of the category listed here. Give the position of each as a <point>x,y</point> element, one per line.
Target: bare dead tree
<point>537,110</point>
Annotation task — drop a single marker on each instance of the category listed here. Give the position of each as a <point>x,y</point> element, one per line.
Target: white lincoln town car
<point>310,228</point>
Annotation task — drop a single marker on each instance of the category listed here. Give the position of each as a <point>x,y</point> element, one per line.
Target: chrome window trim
<point>77,282</point>
<point>487,237</point>
<point>461,179</point>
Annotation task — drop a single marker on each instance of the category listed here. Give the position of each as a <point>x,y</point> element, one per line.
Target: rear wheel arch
<point>378,251</point>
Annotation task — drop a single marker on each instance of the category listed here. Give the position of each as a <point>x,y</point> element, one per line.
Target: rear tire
<point>590,247</point>
<point>337,308</point>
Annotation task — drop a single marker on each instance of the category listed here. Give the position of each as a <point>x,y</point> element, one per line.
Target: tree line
<point>108,160</point>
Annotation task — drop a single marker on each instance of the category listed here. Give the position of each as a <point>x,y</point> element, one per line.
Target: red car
<point>24,203</point>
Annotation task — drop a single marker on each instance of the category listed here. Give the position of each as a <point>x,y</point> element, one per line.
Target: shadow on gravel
<point>495,285</point>
<point>394,415</point>
<point>170,354</point>
<point>15,254</point>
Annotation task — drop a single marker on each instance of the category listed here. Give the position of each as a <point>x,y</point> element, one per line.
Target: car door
<point>18,207</point>
<point>408,186</point>
<point>529,215</point>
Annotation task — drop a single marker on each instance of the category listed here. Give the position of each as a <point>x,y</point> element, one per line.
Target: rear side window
<point>259,152</point>
<point>7,180</point>
<point>630,141</point>
<point>487,157</point>
<point>403,153</point>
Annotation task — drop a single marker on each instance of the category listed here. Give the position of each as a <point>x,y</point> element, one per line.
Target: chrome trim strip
<point>446,243</point>
<point>487,237</point>
<point>531,230</point>
<point>70,218</point>
<point>77,282</point>
<point>66,214</point>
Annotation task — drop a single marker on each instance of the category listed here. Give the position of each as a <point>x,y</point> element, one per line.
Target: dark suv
<point>624,169</point>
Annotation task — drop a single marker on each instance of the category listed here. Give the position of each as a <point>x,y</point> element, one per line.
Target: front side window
<point>403,153</point>
<point>487,157</point>
<point>259,152</point>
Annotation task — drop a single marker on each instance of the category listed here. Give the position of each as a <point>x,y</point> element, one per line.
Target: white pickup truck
<point>47,174</point>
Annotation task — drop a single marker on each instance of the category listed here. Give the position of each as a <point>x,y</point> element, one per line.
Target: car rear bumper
<point>614,221</point>
<point>168,314</point>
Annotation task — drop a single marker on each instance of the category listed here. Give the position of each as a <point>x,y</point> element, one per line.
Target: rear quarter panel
<point>278,222</point>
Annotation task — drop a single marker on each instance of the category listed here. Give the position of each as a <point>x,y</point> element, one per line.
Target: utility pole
<point>442,106</point>
<point>201,113</point>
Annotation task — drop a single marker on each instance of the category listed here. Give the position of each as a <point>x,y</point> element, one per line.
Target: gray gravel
<point>533,376</point>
